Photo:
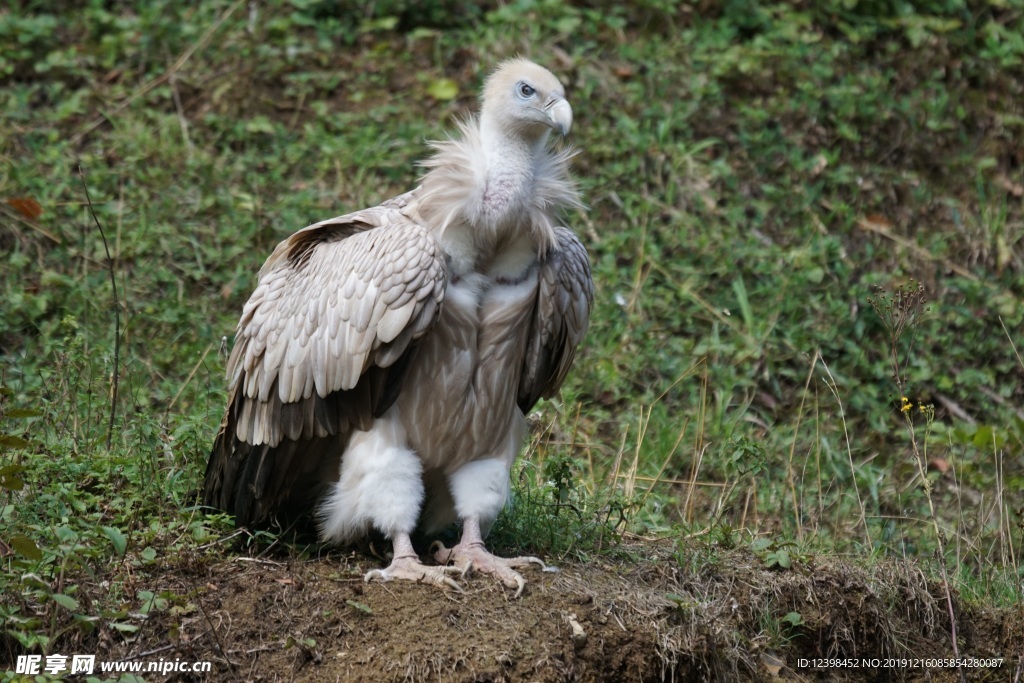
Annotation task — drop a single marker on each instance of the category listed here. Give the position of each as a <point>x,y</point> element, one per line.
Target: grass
<point>755,174</point>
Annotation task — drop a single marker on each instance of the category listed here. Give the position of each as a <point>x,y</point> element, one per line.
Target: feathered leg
<point>381,486</point>
<point>479,490</point>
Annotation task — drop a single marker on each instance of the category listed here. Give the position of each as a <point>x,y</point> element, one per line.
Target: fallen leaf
<point>27,207</point>
<point>878,220</point>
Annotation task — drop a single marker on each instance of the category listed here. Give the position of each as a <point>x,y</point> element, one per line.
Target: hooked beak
<point>560,116</point>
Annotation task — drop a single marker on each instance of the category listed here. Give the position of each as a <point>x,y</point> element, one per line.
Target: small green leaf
<point>151,602</point>
<point>86,623</point>
<point>443,89</point>
<point>9,478</point>
<point>22,413</point>
<point>117,538</point>
<point>567,25</point>
<point>387,23</point>
<point>359,606</point>
<point>259,124</point>
<point>123,627</point>
<point>681,601</point>
<point>743,301</point>
<point>180,610</point>
<point>11,441</point>
<point>26,547</point>
<point>65,601</point>
<point>780,558</point>
<point>421,32</point>
<point>793,619</point>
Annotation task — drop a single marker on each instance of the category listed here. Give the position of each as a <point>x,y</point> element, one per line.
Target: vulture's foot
<point>409,568</point>
<point>474,557</point>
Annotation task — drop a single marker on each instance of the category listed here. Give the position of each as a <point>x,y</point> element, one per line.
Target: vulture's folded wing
<point>321,349</point>
<point>564,299</point>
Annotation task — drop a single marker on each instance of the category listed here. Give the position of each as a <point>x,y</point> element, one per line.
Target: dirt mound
<point>651,620</point>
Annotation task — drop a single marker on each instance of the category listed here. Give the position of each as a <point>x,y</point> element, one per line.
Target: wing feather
<point>338,289</point>
<point>565,297</point>
<point>322,347</point>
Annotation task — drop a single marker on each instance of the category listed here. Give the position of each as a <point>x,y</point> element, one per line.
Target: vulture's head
<point>524,98</point>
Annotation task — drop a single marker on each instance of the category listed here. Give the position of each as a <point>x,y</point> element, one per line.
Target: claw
<point>474,557</point>
<point>443,556</point>
<point>512,579</point>
<point>436,548</point>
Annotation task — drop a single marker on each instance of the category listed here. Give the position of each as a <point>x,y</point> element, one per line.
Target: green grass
<point>753,171</point>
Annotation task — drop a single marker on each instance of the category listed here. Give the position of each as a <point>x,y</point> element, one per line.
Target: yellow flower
<point>907,405</point>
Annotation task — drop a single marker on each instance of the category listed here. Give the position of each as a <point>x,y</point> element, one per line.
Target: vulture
<point>383,366</point>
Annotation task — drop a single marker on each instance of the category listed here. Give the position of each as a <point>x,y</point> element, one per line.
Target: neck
<point>505,176</point>
<point>489,188</point>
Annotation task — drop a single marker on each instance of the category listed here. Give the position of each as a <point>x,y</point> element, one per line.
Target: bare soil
<point>721,618</point>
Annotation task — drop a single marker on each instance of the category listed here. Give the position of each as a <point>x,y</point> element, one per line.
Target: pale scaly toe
<point>444,556</point>
<point>411,569</point>
<point>475,557</point>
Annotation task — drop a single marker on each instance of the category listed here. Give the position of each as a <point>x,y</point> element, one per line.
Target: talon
<point>518,582</point>
<point>537,561</point>
<point>436,548</point>
<point>443,556</point>
<point>453,585</point>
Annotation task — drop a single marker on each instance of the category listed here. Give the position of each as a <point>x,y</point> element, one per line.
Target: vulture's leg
<point>380,486</point>
<point>479,490</point>
<point>405,564</point>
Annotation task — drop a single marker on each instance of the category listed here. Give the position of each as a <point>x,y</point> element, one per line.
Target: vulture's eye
<point>525,90</point>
